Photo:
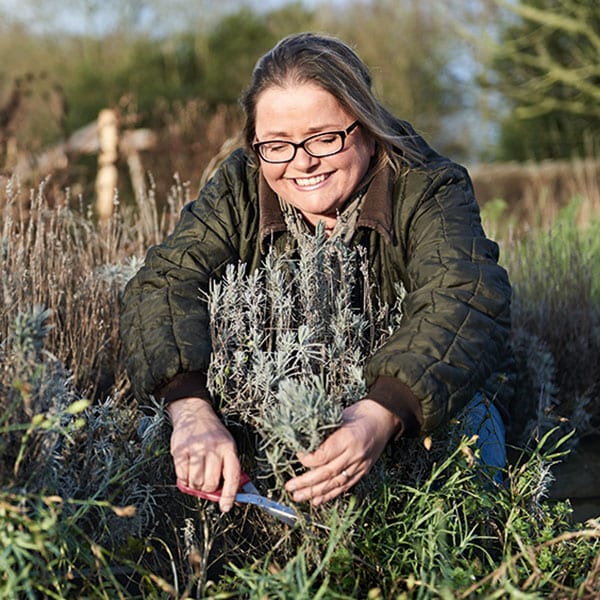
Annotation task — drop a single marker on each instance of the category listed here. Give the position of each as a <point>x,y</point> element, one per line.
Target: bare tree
<point>547,63</point>
<point>554,55</point>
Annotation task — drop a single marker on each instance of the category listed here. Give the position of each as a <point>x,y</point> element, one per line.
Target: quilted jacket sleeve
<point>164,320</point>
<point>455,330</point>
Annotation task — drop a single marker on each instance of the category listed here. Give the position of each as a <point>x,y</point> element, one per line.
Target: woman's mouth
<point>310,181</point>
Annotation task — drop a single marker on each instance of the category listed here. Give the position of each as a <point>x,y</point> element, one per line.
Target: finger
<point>212,472</point>
<point>182,467</point>
<point>333,455</point>
<point>337,486</point>
<point>195,473</point>
<point>321,481</point>
<point>231,481</point>
<point>337,446</point>
<point>189,468</point>
<point>315,477</point>
<point>322,493</point>
<point>333,493</point>
<point>328,451</point>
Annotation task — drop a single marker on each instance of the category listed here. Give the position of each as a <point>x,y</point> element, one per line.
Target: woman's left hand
<point>346,455</point>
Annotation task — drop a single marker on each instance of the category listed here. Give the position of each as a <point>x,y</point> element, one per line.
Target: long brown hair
<point>333,65</point>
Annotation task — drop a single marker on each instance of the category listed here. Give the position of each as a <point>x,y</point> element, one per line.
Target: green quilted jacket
<point>421,228</point>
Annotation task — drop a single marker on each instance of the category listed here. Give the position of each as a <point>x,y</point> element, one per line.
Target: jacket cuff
<point>184,385</point>
<point>398,398</point>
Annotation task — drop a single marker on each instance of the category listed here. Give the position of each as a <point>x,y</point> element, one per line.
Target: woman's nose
<point>303,160</point>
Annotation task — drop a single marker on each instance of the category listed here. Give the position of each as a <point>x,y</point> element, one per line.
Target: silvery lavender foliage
<point>118,455</point>
<point>300,417</point>
<point>58,443</point>
<point>290,341</point>
<point>34,384</point>
<point>119,273</point>
<point>27,338</point>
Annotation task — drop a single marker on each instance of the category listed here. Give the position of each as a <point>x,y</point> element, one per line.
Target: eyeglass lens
<point>318,146</point>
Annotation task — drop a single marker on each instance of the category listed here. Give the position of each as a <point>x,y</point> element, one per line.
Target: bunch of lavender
<point>290,342</point>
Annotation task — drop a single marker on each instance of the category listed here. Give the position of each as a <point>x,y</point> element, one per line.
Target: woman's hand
<point>204,452</point>
<point>346,455</point>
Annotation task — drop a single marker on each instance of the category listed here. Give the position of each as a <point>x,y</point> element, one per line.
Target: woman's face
<point>318,187</point>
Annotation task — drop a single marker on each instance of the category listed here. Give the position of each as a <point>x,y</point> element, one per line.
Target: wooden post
<point>106,180</point>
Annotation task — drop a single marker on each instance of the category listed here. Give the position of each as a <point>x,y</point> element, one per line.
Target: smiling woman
<point>321,148</point>
<point>317,183</point>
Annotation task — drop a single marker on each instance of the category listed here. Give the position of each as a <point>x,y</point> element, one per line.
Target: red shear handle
<point>213,496</point>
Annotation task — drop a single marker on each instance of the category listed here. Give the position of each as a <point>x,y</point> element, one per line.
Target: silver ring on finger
<point>345,474</point>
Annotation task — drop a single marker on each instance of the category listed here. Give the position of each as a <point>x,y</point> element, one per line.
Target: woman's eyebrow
<point>308,131</point>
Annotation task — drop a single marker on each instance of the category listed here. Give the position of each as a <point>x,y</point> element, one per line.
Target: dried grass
<point>535,193</point>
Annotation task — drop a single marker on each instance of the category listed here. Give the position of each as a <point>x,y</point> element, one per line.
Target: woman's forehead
<point>307,106</point>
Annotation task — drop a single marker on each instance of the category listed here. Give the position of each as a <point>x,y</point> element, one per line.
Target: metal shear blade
<point>249,495</point>
<point>275,509</point>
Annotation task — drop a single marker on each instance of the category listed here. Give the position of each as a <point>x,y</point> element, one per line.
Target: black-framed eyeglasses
<point>318,145</point>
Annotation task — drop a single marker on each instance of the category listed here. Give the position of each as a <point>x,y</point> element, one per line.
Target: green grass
<point>446,537</point>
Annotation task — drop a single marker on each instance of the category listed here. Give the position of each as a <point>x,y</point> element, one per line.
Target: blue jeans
<point>481,417</point>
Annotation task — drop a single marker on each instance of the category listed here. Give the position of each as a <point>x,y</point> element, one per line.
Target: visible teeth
<point>311,180</point>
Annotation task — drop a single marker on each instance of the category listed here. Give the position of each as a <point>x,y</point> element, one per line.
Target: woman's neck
<point>329,220</point>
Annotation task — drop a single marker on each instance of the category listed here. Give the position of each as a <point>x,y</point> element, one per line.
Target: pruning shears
<point>249,494</point>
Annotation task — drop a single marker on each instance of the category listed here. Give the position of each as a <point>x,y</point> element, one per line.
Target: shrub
<point>288,346</point>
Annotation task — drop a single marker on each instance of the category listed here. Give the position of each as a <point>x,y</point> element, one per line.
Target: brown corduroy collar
<point>375,212</point>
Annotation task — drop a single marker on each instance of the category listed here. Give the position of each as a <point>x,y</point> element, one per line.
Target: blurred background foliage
<point>483,80</point>
<point>547,67</point>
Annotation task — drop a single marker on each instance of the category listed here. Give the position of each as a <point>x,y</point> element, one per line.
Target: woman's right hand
<point>204,452</point>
